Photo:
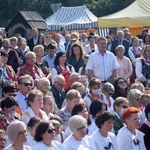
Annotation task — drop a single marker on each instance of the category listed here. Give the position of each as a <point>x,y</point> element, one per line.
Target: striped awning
<point>73,18</point>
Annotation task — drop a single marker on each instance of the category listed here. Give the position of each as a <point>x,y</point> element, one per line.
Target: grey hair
<point>108,87</point>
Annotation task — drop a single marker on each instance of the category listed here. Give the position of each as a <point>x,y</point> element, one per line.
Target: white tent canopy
<point>136,14</point>
<point>73,18</point>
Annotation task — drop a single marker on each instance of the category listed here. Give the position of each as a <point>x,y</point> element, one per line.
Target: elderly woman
<point>129,138</point>
<point>48,105</point>
<point>40,62</point>
<point>61,67</point>
<point>76,56</point>
<point>145,128</point>
<point>35,103</point>
<point>7,73</point>
<point>142,66</point>
<point>44,136</point>
<point>120,104</point>
<point>108,91</point>
<point>8,112</point>
<point>30,67</point>
<point>2,139</point>
<point>134,97</point>
<point>125,69</point>
<point>43,84</point>
<point>77,125</point>
<point>102,138</point>
<point>121,88</point>
<point>17,134</point>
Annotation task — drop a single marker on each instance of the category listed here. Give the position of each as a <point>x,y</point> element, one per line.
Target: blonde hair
<point>37,47</point>
<point>14,128</point>
<point>76,122</point>
<point>42,81</point>
<point>133,94</point>
<point>71,94</point>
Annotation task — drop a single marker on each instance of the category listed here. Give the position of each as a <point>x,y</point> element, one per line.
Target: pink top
<point>125,70</point>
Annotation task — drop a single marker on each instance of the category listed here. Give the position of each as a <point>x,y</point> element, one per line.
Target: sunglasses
<point>121,82</point>
<point>51,130</point>
<point>27,84</point>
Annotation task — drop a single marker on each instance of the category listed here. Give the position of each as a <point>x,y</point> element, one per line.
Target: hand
<point>143,79</point>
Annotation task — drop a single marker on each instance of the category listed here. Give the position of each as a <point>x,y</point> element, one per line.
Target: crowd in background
<point>75,91</point>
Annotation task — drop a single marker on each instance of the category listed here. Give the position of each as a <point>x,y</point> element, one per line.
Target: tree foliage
<point>9,8</point>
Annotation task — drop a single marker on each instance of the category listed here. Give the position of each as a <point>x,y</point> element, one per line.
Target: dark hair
<point>33,121</point>
<point>40,130</point>
<point>118,90</point>
<point>77,44</point>
<point>78,108</point>
<point>102,117</point>
<point>51,46</point>
<point>83,72</point>
<point>58,55</point>
<point>147,110</point>
<point>90,37</point>
<point>38,40</point>
<point>9,88</point>
<point>8,102</point>
<point>144,41</point>
<point>96,107</point>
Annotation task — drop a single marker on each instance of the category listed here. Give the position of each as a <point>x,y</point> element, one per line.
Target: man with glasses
<point>58,90</point>
<point>25,84</point>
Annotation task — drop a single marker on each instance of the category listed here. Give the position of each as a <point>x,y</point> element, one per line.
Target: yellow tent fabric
<point>137,14</point>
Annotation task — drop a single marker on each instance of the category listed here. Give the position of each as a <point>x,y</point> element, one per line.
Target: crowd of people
<point>75,92</point>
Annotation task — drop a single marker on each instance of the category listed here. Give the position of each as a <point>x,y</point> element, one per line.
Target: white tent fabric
<point>136,14</point>
<point>73,18</point>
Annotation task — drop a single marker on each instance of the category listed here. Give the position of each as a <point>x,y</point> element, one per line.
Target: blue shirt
<point>50,60</point>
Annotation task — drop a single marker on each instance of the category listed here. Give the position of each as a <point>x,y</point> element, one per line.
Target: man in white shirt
<point>24,87</point>
<point>102,64</point>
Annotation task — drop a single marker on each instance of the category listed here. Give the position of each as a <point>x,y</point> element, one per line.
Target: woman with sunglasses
<point>129,138</point>
<point>17,134</point>
<point>44,136</point>
<point>77,125</point>
<point>120,104</point>
<point>121,88</point>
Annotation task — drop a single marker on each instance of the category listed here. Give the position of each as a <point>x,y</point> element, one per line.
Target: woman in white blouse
<point>44,136</point>
<point>102,139</point>
<point>77,125</point>
<point>35,103</point>
<point>129,138</point>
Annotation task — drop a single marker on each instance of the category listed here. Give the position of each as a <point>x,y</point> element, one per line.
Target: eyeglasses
<point>62,85</point>
<point>81,128</point>
<point>51,130</point>
<point>3,139</point>
<point>124,106</point>
<point>27,84</point>
<point>121,82</point>
<point>110,94</point>
<point>22,132</point>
